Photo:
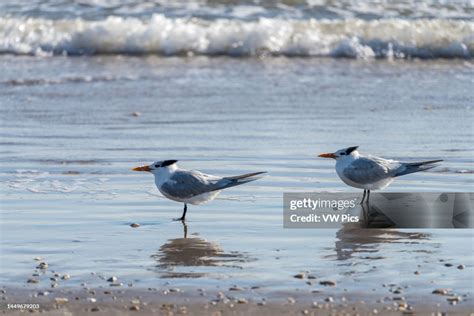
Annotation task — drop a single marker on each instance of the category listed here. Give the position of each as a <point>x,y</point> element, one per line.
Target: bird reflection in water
<point>418,210</point>
<point>192,255</point>
<point>352,239</point>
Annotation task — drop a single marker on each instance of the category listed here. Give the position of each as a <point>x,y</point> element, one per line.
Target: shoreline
<point>69,196</point>
<point>235,300</point>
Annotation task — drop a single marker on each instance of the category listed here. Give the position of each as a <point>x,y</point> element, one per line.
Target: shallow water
<point>69,140</point>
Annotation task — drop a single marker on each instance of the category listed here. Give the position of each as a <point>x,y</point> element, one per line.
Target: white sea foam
<point>355,38</point>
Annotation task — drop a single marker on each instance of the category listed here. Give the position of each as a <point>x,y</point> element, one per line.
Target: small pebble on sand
<point>448,264</point>
<point>440,291</point>
<point>242,301</point>
<point>328,283</point>
<point>136,114</point>
<point>61,300</point>
<point>134,308</point>
<point>398,298</point>
<point>116,284</point>
<point>236,288</point>
<point>112,279</point>
<point>66,277</point>
<point>329,299</point>
<point>32,281</point>
<point>44,293</point>
<point>417,272</point>
<point>91,299</point>
<point>291,300</point>
<point>454,299</point>
<point>135,225</point>
<point>299,276</point>
<point>95,309</point>
<point>42,266</point>
<point>461,267</point>
<point>54,285</point>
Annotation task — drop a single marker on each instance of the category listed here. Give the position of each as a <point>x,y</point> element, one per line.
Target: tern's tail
<point>228,182</point>
<point>411,167</point>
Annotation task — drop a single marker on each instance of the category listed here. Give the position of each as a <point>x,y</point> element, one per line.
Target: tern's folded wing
<point>186,184</point>
<point>369,169</point>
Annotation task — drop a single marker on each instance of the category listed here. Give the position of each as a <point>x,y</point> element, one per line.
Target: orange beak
<point>328,155</point>
<point>143,168</point>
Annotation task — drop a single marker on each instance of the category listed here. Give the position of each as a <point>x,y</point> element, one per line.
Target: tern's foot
<point>179,219</point>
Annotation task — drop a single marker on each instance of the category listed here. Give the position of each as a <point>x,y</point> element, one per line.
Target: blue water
<point>69,139</point>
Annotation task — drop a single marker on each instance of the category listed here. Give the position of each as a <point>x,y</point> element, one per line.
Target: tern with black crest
<point>191,186</point>
<point>370,172</point>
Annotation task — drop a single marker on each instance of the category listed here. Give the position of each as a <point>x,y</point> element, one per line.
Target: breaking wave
<point>161,35</point>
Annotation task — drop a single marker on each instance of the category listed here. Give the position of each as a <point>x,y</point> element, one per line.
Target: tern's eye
<point>157,166</point>
<point>343,154</point>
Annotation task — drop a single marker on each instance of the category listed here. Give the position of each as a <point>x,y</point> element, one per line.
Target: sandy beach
<point>192,301</point>
<point>89,91</point>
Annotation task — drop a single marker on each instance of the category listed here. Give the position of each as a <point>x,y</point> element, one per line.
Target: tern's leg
<point>363,197</point>
<point>182,218</point>
<point>368,196</point>
<point>364,214</point>
<point>185,229</point>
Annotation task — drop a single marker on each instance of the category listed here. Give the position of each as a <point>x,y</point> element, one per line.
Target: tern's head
<point>341,153</point>
<point>158,166</point>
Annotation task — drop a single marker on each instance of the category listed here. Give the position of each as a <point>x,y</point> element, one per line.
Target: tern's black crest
<point>351,149</point>
<point>168,162</point>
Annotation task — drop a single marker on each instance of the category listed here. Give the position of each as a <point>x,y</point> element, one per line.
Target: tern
<point>371,172</point>
<point>191,186</point>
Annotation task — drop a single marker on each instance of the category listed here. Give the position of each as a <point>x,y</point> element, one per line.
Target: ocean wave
<point>352,38</point>
<point>62,80</point>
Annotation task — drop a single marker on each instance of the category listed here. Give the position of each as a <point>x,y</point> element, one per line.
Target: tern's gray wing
<point>370,169</point>
<point>188,183</point>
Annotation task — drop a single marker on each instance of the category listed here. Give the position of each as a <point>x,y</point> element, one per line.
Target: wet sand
<point>69,137</point>
<point>215,301</point>
<point>414,289</point>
